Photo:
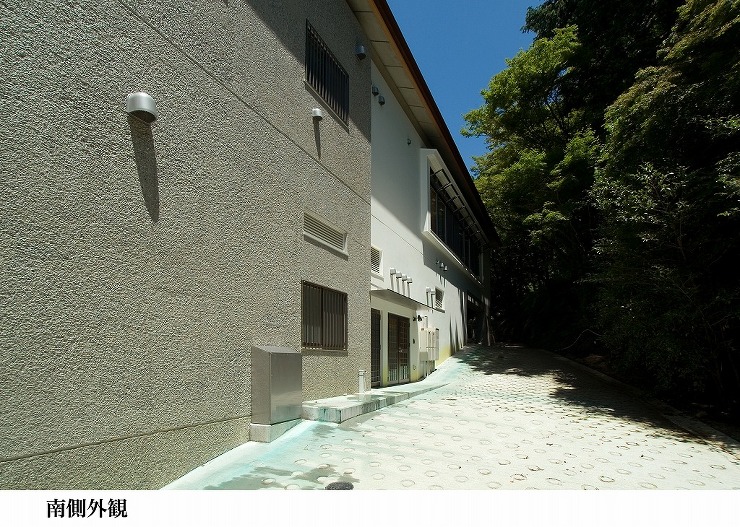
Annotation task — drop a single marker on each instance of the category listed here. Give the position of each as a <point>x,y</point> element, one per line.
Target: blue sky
<point>459,45</point>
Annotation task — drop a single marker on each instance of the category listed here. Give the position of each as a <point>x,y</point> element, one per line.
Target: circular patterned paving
<point>504,420</point>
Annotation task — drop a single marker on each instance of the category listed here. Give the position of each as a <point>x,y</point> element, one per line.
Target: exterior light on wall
<point>404,277</point>
<point>317,114</point>
<point>445,268</point>
<point>393,271</point>
<point>142,106</point>
<point>381,100</point>
<point>409,281</point>
<point>360,51</point>
<point>374,90</point>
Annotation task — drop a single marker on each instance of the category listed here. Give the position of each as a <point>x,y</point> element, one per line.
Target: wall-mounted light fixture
<point>409,281</point>
<point>404,277</point>
<point>393,271</point>
<point>374,90</point>
<point>142,106</point>
<point>360,51</point>
<point>317,114</point>
<point>381,100</point>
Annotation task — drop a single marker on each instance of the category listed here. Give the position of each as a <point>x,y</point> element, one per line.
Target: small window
<point>375,260</point>
<point>325,75</point>
<point>439,296</point>
<point>323,317</point>
<point>320,231</point>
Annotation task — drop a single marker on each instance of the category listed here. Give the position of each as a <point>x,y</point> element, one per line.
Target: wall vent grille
<point>375,260</point>
<point>321,232</point>
<point>439,297</point>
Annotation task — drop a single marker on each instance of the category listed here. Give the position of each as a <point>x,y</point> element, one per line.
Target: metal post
<point>361,382</point>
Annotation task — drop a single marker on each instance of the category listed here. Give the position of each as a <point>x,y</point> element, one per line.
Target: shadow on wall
<point>287,24</point>
<point>317,136</point>
<point>455,345</point>
<point>146,164</point>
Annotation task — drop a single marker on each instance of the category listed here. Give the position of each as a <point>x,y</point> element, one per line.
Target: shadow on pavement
<point>266,475</point>
<point>577,386</point>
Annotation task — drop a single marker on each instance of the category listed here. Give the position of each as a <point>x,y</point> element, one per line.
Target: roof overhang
<point>397,298</point>
<point>393,57</point>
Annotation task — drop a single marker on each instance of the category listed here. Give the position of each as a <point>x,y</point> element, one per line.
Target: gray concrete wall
<point>141,263</point>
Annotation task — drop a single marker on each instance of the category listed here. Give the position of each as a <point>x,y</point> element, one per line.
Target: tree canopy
<point>612,174</point>
<point>667,188</point>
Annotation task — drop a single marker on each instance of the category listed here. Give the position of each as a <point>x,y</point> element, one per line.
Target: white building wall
<point>400,215</point>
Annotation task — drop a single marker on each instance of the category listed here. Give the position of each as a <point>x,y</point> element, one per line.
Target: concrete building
<point>144,259</point>
<point>430,290</point>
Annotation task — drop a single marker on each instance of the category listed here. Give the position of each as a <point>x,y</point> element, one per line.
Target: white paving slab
<point>507,418</point>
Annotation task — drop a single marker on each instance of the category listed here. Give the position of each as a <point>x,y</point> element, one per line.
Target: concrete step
<point>344,407</point>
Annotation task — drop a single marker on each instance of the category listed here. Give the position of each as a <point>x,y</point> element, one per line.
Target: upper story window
<point>451,228</point>
<point>325,75</point>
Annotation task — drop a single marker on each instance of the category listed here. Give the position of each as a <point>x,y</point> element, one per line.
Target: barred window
<point>325,75</point>
<point>323,317</point>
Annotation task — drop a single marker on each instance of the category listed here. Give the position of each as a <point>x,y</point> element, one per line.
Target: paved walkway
<point>504,418</point>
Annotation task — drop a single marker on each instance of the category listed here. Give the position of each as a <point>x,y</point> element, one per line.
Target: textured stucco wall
<point>141,263</point>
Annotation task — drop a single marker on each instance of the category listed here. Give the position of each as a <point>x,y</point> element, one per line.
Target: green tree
<point>668,192</point>
<point>543,120</point>
<point>617,38</point>
<point>534,181</point>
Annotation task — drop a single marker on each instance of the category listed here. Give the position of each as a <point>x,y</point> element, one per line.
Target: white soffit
<point>399,76</point>
<point>386,54</point>
<point>370,24</point>
<point>358,5</point>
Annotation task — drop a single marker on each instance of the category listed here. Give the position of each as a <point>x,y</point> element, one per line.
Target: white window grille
<point>438,298</point>
<point>375,260</point>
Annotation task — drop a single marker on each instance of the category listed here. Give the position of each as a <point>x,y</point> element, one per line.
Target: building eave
<point>391,50</point>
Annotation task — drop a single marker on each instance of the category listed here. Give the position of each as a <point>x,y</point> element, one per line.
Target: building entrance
<point>398,349</point>
<point>375,347</point>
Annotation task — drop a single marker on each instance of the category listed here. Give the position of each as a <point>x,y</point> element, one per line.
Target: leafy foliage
<point>617,39</point>
<point>613,176</point>
<point>534,178</point>
<point>667,191</point>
